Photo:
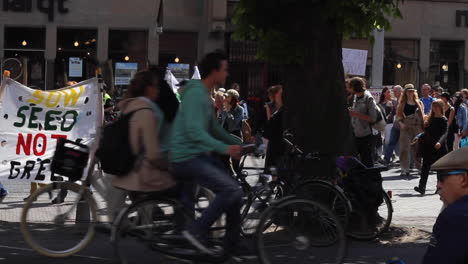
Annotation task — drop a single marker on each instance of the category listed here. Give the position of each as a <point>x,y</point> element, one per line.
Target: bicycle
<point>75,218</point>
<point>295,229</point>
<point>156,222</point>
<point>341,198</point>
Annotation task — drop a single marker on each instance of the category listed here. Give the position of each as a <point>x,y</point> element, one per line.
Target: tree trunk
<point>315,99</point>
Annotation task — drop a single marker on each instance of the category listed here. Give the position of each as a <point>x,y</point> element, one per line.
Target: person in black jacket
<point>274,130</point>
<point>433,141</point>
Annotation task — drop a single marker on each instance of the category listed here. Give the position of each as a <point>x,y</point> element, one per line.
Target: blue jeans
<point>209,172</point>
<point>392,144</point>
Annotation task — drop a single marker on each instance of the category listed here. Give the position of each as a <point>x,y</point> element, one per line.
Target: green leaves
<point>283,28</point>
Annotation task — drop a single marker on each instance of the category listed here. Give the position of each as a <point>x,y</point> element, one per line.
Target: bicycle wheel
<point>253,207</point>
<point>73,219</point>
<point>379,221</point>
<point>296,227</point>
<point>14,66</point>
<point>327,194</point>
<point>148,228</point>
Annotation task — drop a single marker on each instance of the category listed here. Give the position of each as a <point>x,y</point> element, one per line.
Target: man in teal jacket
<point>197,134</point>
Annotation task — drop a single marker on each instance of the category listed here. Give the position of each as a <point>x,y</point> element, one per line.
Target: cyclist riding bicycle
<point>196,134</point>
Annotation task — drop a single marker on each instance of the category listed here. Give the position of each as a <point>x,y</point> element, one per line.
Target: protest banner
<point>355,61</point>
<point>31,122</point>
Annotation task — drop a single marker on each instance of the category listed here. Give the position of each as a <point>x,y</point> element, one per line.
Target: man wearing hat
<point>449,241</point>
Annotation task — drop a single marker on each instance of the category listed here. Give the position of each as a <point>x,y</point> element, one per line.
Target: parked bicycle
<point>340,192</point>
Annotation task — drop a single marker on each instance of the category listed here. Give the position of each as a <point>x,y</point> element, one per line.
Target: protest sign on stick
<point>355,61</point>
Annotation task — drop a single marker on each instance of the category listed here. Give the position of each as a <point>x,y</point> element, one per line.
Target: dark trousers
<point>364,150</point>
<point>209,172</point>
<point>430,155</point>
<point>450,140</point>
<point>392,144</point>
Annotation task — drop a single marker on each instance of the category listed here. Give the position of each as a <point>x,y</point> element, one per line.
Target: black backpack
<point>114,152</point>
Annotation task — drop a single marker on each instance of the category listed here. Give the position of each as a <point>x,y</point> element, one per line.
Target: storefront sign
<point>355,61</point>
<point>124,72</point>
<point>32,121</point>
<point>75,68</point>
<point>462,15</point>
<point>180,70</point>
<point>44,6</point>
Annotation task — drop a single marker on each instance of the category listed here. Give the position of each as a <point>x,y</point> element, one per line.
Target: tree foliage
<point>282,28</point>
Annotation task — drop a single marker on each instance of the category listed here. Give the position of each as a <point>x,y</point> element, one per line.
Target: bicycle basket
<point>70,159</point>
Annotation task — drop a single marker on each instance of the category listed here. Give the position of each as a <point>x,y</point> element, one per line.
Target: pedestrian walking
<point>363,114</point>
<point>461,118</point>
<point>393,141</point>
<point>410,118</point>
<point>426,98</point>
<point>449,112</point>
<point>433,141</point>
<point>274,130</point>
<point>386,107</point>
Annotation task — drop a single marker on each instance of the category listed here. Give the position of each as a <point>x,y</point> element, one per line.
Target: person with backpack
<point>148,172</point>
<point>363,114</point>
<point>410,116</point>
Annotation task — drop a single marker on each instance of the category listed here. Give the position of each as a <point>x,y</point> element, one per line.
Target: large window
<point>128,53</point>
<point>26,47</point>
<point>401,62</point>
<point>76,55</point>
<point>446,68</point>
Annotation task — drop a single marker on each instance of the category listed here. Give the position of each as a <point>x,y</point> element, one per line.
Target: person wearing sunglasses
<point>449,241</point>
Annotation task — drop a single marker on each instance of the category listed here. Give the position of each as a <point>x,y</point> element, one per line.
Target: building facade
<point>429,45</point>
<point>44,34</point>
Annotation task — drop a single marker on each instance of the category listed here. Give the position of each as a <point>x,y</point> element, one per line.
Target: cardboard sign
<point>31,122</point>
<point>355,62</point>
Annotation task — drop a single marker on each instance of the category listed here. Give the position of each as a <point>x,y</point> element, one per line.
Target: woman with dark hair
<point>274,130</point>
<point>460,118</point>
<point>386,107</point>
<point>146,137</point>
<point>449,112</point>
<point>166,100</point>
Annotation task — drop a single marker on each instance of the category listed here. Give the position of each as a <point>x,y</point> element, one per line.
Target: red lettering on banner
<point>57,137</point>
<point>44,144</point>
<point>25,145</point>
<point>38,143</point>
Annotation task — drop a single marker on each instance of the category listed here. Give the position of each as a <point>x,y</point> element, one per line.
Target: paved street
<point>412,223</point>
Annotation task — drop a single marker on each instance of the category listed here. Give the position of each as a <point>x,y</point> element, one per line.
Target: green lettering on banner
<point>33,117</point>
<point>49,118</point>
<point>75,115</point>
<point>22,116</point>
